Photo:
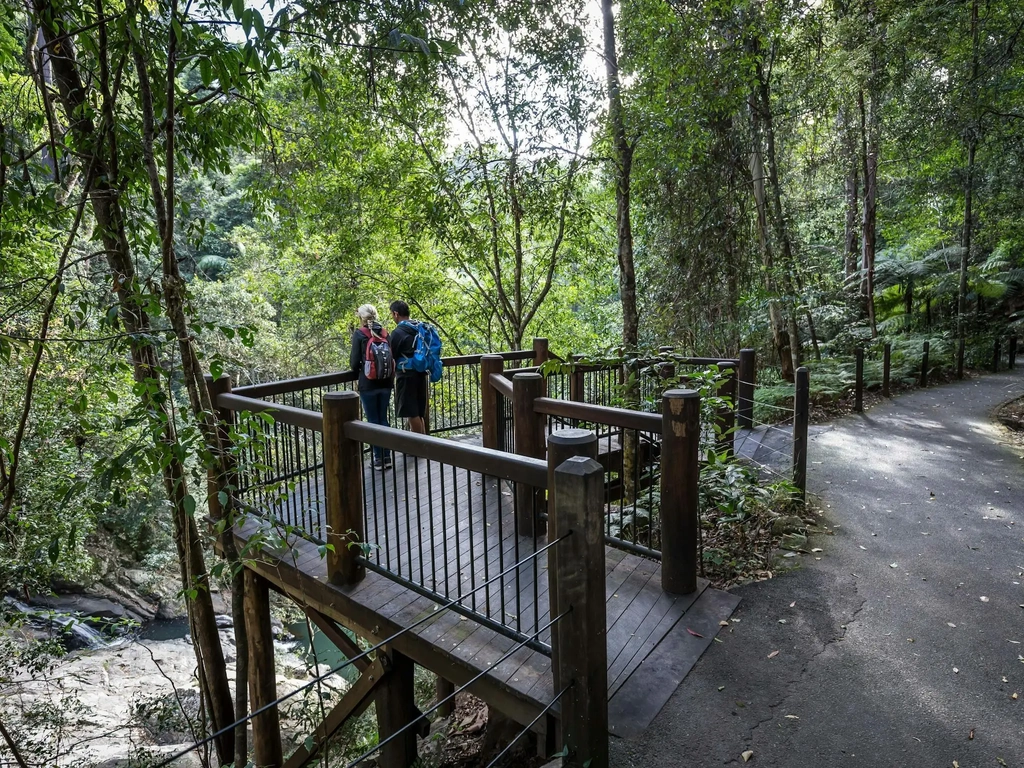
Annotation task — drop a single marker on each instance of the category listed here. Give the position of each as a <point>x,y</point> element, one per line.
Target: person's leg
<point>368,399</point>
<point>418,389</point>
<point>383,400</point>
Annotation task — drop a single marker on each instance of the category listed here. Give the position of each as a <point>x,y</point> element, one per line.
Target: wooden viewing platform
<point>640,615</point>
<point>562,591</point>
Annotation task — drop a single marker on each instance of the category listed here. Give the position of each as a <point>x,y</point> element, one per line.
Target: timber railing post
<point>562,444</point>
<point>747,379</point>
<point>680,474</point>
<point>960,358</point>
<point>995,357</point>
<point>529,426</point>
<point>858,381</point>
<point>343,488</point>
<point>726,417</point>
<point>579,591</point>
<point>266,726</point>
<point>1011,353</point>
<point>489,413</point>
<point>801,418</point>
<point>541,353</point>
<point>886,368</point>
<point>924,365</point>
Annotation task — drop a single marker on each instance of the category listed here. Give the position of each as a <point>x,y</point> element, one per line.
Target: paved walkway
<point>903,644</point>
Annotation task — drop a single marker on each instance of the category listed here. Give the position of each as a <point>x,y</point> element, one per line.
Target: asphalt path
<point>901,643</point>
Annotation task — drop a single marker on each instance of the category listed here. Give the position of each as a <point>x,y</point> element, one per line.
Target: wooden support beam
<point>336,635</point>
<point>489,411</point>
<point>886,368</point>
<point>343,488</point>
<point>396,708</point>
<point>266,727</point>
<point>680,498</point>
<point>541,352</point>
<point>562,444</point>
<point>356,699</point>
<point>530,428</point>
<point>801,418</point>
<point>444,689</point>
<point>726,417</point>
<point>580,635</point>
<point>747,379</point>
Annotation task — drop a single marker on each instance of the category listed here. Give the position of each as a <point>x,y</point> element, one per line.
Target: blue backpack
<point>426,355</point>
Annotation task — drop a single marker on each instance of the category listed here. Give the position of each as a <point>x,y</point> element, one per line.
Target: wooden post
<point>665,350</point>
<point>747,378</point>
<point>726,417</point>
<point>960,358</point>
<point>858,381</point>
<point>541,353</point>
<point>343,488</point>
<point>577,384</point>
<point>444,688</point>
<point>563,444</point>
<point>266,727</point>
<point>396,708</point>
<point>995,357</point>
<point>924,366</point>
<point>1011,353</point>
<point>489,413</point>
<point>680,473</point>
<point>801,418</point>
<point>580,589</point>
<point>529,426</point>
<point>886,368</point>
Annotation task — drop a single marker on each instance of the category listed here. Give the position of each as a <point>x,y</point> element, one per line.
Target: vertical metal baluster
<point>444,530</point>
<point>408,518</point>
<point>501,550</point>
<point>433,541</point>
<point>458,536</point>
<point>487,544</point>
<point>276,471</point>
<point>515,553</point>
<point>376,517</point>
<point>419,519</point>
<point>472,553</point>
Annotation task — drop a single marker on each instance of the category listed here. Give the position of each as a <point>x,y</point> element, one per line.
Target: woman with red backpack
<point>371,357</point>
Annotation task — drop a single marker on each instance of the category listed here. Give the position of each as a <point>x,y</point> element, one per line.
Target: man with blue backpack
<point>417,351</point>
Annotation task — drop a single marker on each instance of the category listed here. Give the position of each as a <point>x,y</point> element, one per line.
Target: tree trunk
<point>972,148</point>
<point>623,154</point>
<point>851,250</point>
<point>100,149</point>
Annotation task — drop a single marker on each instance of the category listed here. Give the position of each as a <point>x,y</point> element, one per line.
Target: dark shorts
<point>411,395</point>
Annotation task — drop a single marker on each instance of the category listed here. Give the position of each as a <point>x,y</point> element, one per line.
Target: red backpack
<point>378,362</point>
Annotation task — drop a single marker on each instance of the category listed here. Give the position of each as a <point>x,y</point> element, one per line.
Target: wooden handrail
<point>294,385</point>
<point>599,414</point>
<point>271,388</point>
<point>285,414</point>
<point>507,466</point>
<point>503,385</point>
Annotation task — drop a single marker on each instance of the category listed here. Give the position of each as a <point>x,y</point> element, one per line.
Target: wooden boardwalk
<point>449,531</point>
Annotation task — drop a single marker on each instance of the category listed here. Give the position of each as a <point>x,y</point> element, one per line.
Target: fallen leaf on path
<point>970,736</point>
<point>695,634</point>
<point>773,654</point>
<point>956,764</point>
<point>894,565</point>
<point>956,671</point>
<point>1005,680</point>
<point>792,717</point>
<point>723,623</point>
<point>1000,761</point>
<point>721,687</point>
<point>863,547</point>
<point>782,621</point>
<point>951,624</point>
<point>1014,697</point>
<point>816,549</point>
<point>749,754</point>
<point>983,599</point>
<point>793,604</point>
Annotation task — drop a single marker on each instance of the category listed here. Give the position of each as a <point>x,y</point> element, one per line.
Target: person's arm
<point>355,355</point>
